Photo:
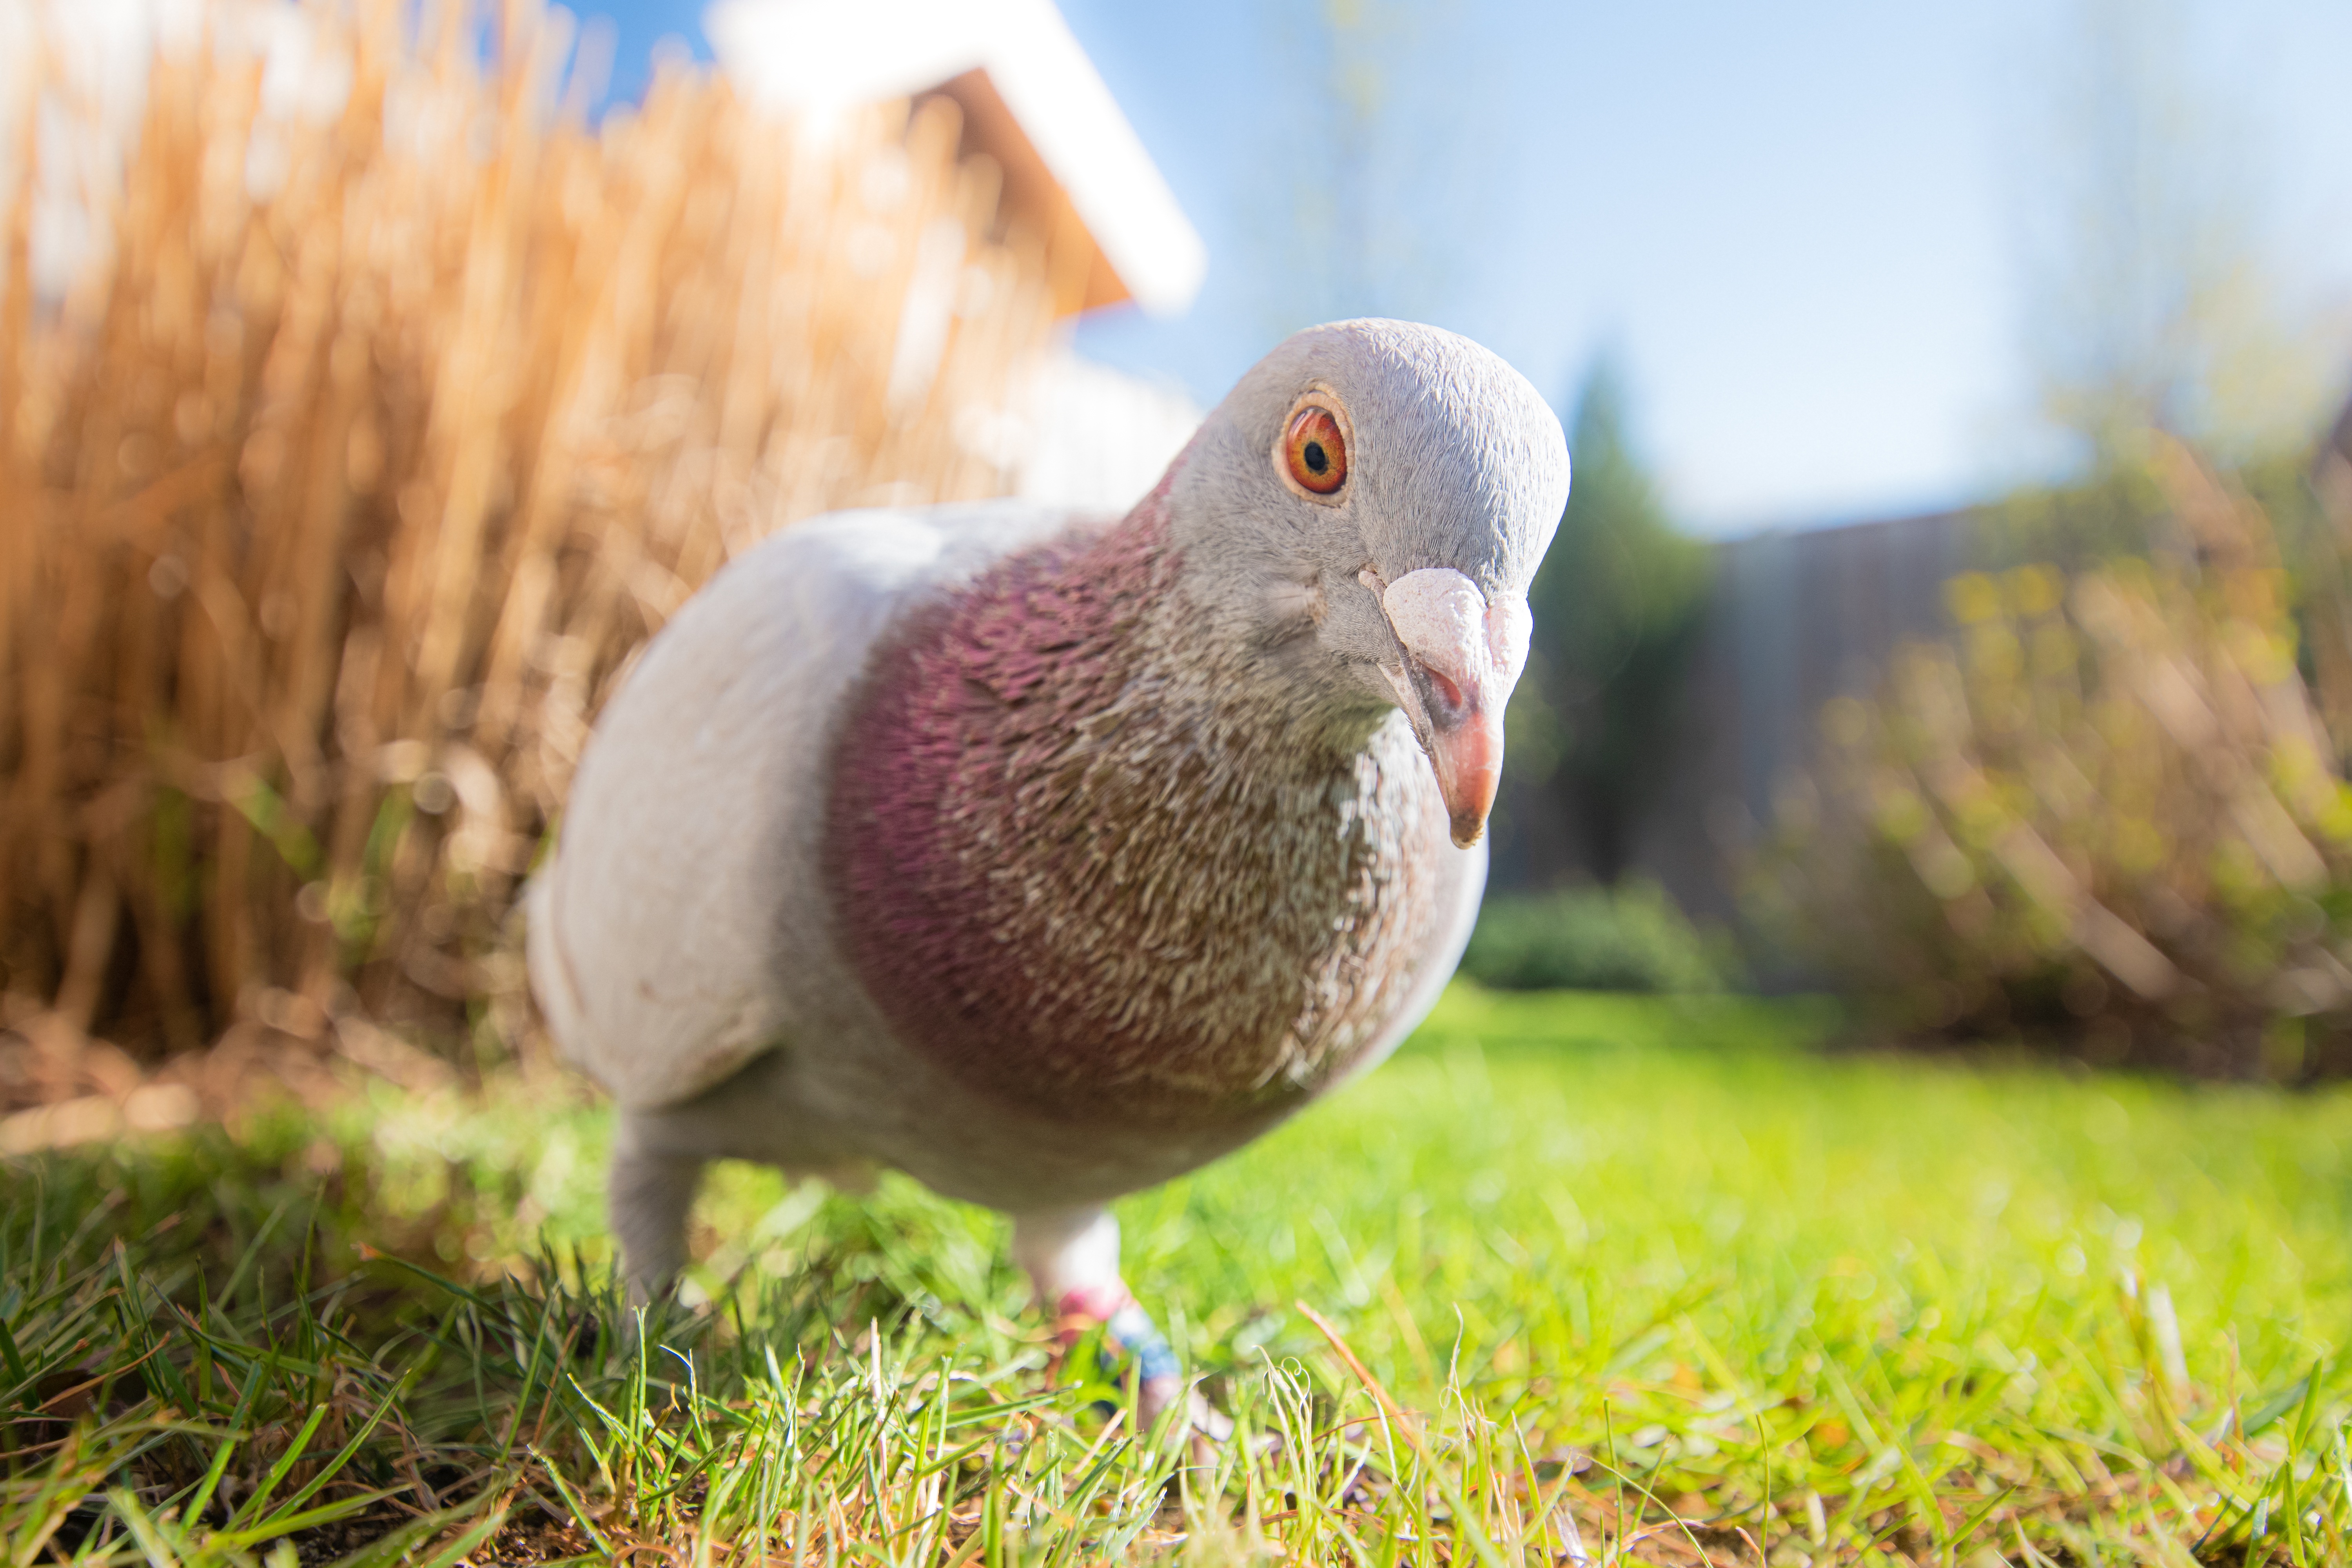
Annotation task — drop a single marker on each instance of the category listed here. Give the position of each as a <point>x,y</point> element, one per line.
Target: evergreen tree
<point>1617,608</point>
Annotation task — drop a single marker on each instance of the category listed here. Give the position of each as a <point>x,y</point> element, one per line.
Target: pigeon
<point>1045,856</point>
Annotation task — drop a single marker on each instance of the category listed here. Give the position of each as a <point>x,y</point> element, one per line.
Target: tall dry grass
<point>401,407</point>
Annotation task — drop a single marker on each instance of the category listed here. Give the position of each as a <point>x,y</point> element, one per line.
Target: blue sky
<point>1800,226</point>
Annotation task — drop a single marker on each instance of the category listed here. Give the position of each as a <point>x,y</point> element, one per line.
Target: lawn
<point>1625,1278</point>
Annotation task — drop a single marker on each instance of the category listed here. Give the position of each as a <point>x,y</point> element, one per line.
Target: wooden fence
<point>1795,618</point>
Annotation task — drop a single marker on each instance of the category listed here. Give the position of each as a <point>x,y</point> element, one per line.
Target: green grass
<point>1656,1274</point>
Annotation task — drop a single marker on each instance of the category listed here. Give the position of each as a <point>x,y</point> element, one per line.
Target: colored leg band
<point>1125,1324</point>
<point>1137,1334</point>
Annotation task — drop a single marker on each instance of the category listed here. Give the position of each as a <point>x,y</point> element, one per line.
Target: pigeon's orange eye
<point>1316,450</point>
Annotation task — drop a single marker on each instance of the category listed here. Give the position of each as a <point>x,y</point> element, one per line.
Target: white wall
<point>1097,437</point>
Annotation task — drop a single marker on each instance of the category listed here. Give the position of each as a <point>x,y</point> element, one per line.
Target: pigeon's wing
<point>664,935</point>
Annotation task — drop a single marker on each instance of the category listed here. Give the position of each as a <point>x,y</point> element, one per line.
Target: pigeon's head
<point>1366,510</point>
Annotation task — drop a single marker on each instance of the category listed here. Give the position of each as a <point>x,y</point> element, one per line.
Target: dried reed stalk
<point>338,493</point>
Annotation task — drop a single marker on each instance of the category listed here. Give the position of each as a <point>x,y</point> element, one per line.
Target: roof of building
<point>1032,100</point>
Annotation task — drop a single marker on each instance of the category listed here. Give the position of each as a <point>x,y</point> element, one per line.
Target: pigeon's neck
<point>1103,621</point>
<point>1087,854</point>
<point>1224,628</point>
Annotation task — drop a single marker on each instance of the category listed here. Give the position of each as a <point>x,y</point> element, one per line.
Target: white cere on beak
<point>1446,623</point>
<point>1509,626</point>
<point>1467,655</point>
<point>1438,614</point>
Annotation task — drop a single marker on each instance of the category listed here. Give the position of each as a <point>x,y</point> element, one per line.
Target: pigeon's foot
<point>1130,1344</point>
<point>651,1194</point>
<point>1073,1257</point>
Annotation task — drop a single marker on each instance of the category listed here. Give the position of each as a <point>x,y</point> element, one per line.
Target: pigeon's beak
<point>1461,658</point>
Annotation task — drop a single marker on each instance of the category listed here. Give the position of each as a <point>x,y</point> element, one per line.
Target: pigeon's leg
<point>1072,1256</point>
<point>650,1192</point>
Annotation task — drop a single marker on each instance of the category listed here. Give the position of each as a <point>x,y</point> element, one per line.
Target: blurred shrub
<point>393,414</point>
<point>2108,812</point>
<point>1627,938</point>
